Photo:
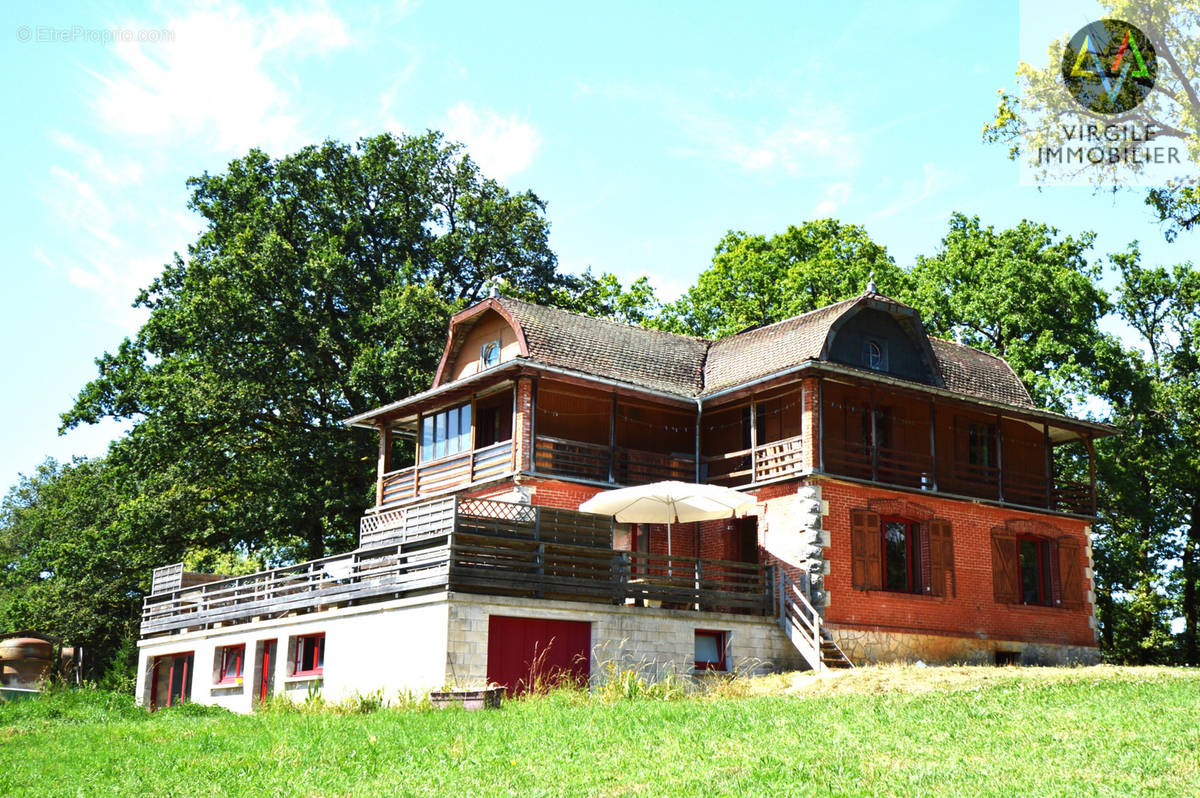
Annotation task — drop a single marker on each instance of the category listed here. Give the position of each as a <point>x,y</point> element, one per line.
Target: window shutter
<point>1069,574</point>
<point>941,545</point>
<point>1005,567</point>
<point>925,549</point>
<point>866,544</point>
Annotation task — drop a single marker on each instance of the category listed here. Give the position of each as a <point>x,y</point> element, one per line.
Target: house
<point>912,503</point>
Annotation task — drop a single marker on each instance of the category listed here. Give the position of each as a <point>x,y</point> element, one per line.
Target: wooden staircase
<point>805,628</point>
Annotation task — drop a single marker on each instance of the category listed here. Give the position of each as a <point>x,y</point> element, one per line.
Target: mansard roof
<point>690,368</point>
<point>695,367</point>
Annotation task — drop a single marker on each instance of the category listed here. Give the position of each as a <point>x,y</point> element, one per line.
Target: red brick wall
<point>973,610</point>
<point>522,424</point>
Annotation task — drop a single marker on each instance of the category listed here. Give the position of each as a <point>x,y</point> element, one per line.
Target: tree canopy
<point>756,280</point>
<point>1044,112</point>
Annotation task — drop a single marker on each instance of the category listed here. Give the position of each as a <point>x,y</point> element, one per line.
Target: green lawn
<point>1004,732</point>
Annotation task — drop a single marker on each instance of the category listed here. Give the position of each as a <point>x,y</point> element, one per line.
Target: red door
<point>531,653</point>
<point>171,680</point>
<point>266,673</point>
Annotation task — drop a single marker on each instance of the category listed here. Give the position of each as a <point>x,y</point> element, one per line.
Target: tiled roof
<point>692,367</point>
<point>760,351</point>
<point>653,359</point>
<point>976,373</point>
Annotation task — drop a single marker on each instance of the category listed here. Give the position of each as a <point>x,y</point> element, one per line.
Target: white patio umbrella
<point>667,502</point>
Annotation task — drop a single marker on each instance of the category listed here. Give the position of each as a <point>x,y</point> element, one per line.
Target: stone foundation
<point>872,646</point>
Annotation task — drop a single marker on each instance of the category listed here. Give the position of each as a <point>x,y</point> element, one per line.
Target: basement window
<point>710,650</point>
<point>310,655</point>
<point>232,659</point>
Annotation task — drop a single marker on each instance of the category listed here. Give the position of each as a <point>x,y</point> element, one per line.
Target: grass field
<point>890,731</point>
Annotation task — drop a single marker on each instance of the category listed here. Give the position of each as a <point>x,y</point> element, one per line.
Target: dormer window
<point>489,354</point>
<point>875,355</point>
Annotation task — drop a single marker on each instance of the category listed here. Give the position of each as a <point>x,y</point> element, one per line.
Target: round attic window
<point>490,354</point>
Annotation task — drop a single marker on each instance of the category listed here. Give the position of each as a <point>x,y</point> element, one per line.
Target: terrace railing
<point>471,545</point>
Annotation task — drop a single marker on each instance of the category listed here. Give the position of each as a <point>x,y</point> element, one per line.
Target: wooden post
<point>753,440</point>
<point>420,452</point>
<point>1000,457</point>
<point>540,555</point>
<point>1049,466</point>
<point>820,424</point>
<point>1091,450</point>
<point>874,438</point>
<point>533,393</point>
<point>384,464</point>
<point>933,444</point>
<point>612,439</point>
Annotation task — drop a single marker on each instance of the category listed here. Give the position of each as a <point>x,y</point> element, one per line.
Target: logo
<point>1109,66</point>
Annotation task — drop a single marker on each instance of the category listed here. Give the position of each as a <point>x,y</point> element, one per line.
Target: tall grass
<point>963,731</point>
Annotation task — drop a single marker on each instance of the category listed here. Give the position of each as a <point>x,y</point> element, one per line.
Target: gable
<point>471,331</point>
<point>893,344</point>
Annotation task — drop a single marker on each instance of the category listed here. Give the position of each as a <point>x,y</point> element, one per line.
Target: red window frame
<point>235,655</point>
<point>184,660</point>
<point>719,637</point>
<point>912,555</point>
<point>318,657</point>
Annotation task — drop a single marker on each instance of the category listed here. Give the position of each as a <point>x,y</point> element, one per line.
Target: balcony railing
<point>480,546</point>
<point>595,462</point>
<point>890,466</point>
<point>770,461</point>
<point>447,473</point>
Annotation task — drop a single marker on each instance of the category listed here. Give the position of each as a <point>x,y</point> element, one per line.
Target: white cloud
<point>501,145</point>
<point>836,195</point>
<point>933,181</point>
<point>808,146</point>
<point>217,81</point>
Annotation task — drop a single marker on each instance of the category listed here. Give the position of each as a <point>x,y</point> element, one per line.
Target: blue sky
<point>650,132</point>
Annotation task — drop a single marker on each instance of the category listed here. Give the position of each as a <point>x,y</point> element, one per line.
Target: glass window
<point>710,651</point>
<point>1034,554</point>
<point>446,433</point>
<point>901,556</point>
<point>490,354</point>
<point>231,664</point>
<point>310,655</point>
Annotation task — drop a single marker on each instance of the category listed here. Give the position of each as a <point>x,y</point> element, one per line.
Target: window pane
<point>464,428</point>
<point>1030,572</point>
<point>452,439</point>
<point>707,649</point>
<point>439,435</point>
<point>895,553</point>
<point>426,439</point>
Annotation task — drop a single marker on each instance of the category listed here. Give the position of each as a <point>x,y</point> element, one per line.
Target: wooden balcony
<point>909,469</point>
<point>609,464</point>
<point>447,473</point>
<point>474,546</point>
<point>765,463</point>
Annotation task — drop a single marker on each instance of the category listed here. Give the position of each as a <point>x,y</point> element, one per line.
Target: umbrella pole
<point>669,574</point>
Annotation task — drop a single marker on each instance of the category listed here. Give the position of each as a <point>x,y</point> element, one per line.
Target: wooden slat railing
<point>447,473</point>
<point>772,460</point>
<point>591,461</point>
<point>473,545</point>
<point>884,464</point>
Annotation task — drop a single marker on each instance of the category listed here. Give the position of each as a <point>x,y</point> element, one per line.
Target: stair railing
<point>799,620</point>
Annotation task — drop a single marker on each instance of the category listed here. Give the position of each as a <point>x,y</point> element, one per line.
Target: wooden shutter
<point>866,542</point>
<point>1069,574</point>
<point>941,547</point>
<point>1006,567</point>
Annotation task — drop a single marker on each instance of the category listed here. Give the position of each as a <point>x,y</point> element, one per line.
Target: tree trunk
<point>314,539</point>
<point>1191,586</point>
